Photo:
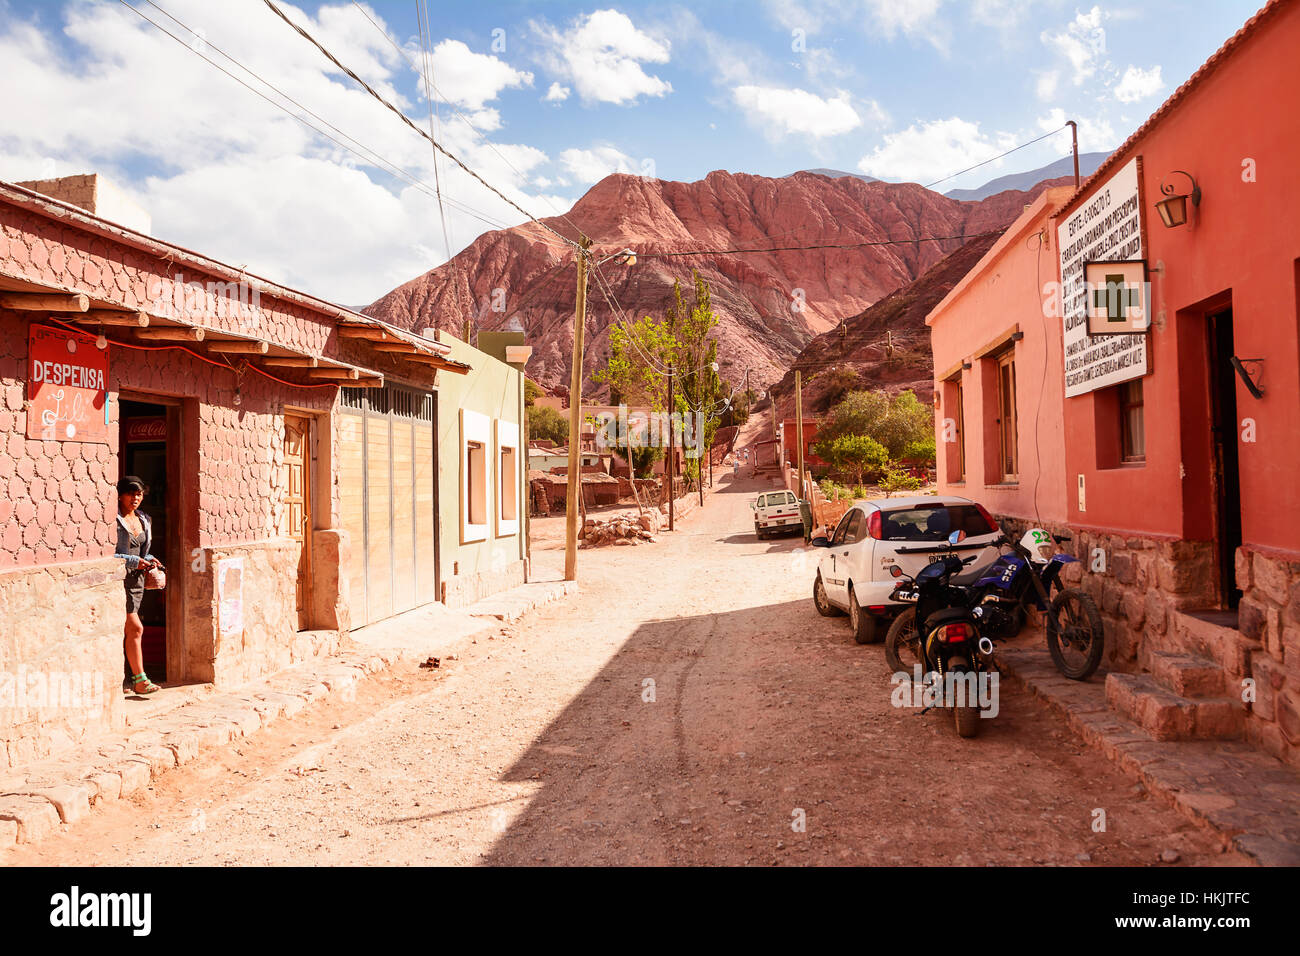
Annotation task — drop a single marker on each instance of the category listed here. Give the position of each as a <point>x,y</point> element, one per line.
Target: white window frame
<point>507,438</point>
<point>477,428</point>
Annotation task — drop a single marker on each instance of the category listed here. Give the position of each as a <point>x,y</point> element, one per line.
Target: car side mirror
<point>820,542</point>
<point>895,571</point>
<point>957,537</point>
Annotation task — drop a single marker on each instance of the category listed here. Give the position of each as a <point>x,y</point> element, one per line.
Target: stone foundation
<point>465,589</point>
<point>60,656</point>
<point>1145,593</point>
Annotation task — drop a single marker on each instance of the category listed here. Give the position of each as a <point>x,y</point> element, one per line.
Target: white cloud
<point>1046,84</point>
<point>556,93</point>
<point>927,151</point>
<point>602,57</point>
<point>586,166</point>
<point>783,112</point>
<point>1137,84</point>
<point>224,172</point>
<point>915,19</point>
<point>471,79</point>
<point>1082,42</point>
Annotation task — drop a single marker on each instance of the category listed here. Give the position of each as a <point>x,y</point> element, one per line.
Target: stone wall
<point>1145,591</point>
<point>1270,615</point>
<point>60,656</point>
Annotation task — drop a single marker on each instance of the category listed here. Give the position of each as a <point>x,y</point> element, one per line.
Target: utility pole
<point>672,446</point>
<point>575,419</point>
<point>1074,136</point>
<point>798,425</point>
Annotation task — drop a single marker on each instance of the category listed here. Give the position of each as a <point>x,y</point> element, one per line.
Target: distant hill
<point>1088,164</point>
<point>839,173</point>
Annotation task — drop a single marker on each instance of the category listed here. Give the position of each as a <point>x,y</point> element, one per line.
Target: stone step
<point>1187,675</point>
<point>1167,716</point>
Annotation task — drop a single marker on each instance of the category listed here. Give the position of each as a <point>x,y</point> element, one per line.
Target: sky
<point>543,99</point>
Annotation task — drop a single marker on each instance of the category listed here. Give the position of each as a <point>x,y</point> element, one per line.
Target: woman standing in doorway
<point>134,537</point>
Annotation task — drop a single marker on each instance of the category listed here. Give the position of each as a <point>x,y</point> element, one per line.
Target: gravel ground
<point>688,707</point>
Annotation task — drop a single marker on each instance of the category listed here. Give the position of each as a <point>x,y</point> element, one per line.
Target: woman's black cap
<point>129,485</point>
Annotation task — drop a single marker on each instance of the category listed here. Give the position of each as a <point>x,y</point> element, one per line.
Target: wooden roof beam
<point>113,317</point>
<point>44,302</point>
<point>175,333</point>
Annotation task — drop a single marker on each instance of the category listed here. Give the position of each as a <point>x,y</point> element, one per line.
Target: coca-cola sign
<point>146,429</point>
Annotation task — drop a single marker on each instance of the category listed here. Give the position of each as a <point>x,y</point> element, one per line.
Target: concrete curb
<point>58,792</point>
<point>1225,786</point>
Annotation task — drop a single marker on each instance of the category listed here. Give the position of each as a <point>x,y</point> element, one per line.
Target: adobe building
<point>298,463</point>
<point>1154,412</point>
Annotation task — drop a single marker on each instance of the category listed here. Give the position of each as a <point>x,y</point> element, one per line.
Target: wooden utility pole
<point>571,504</point>
<point>1074,137</point>
<point>672,447</point>
<point>798,425</point>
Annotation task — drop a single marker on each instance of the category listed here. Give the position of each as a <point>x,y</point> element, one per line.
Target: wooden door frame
<point>311,430</point>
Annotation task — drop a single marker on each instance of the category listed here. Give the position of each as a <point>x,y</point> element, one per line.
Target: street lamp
<point>1173,208</point>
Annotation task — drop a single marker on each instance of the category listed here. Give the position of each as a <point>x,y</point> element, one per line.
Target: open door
<point>296,491</point>
<point>1226,474</point>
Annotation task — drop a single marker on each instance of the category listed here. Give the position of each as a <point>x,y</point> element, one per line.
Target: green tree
<point>894,422</point>
<point>854,454</point>
<point>532,392</point>
<point>548,424</point>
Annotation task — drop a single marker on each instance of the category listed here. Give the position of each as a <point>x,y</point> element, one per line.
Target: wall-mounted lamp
<point>1173,208</point>
<point>965,366</point>
<point>1017,336</point>
<point>1252,386</point>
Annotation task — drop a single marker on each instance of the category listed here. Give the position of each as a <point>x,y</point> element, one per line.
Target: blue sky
<point>545,98</point>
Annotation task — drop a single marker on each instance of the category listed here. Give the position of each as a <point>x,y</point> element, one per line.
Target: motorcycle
<point>1025,578</point>
<point>949,643</point>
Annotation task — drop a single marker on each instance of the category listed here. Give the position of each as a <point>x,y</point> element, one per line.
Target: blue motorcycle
<point>999,597</point>
<point>1025,577</point>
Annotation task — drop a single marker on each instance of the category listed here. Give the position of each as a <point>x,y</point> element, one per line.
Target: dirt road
<point>689,706</point>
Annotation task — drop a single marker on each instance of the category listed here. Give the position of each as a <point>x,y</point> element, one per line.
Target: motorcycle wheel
<point>903,644</point>
<point>967,717</point>
<point>1075,636</point>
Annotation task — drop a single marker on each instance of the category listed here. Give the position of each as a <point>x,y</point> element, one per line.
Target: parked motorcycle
<point>1024,578</point>
<point>1001,594</point>
<point>949,643</point>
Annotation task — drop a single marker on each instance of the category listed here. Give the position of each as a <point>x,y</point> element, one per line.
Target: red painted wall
<point>1242,243</point>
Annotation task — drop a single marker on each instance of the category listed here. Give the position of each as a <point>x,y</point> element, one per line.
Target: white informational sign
<point>230,595</point>
<point>1108,227</point>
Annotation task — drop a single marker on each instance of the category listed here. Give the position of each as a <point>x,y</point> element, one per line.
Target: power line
<point>823,245</point>
<point>373,158</point>
<point>405,119</point>
<point>432,89</point>
<point>998,156</point>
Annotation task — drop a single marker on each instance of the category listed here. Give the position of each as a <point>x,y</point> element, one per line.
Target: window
<point>857,529</point>
<point>936,522</point>
<point>1132,426</point>
<point>476,482</point>
<point>952,430</point>
<point>509,474</point>
<point>843,527</point>
<point>1009,455</point>
<point>476,467</point>
<point>507,484</point>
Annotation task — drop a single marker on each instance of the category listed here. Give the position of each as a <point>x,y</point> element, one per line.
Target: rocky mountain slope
<point>886,346</point>
<point>770,301</point>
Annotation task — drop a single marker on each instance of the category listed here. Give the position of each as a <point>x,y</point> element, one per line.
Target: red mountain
<point>754,292</point>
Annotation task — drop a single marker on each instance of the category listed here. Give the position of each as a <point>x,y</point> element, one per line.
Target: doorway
<point>146,437</point>
<point>296,490</point>
<point>1223,448</point>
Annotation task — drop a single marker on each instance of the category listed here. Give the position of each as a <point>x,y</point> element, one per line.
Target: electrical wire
<point>998,156</point>
<point>465,119</point>
<point>374,158</point>
<point>822,245</point>
<point>405,119</point>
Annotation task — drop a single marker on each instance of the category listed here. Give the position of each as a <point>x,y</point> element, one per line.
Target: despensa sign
<point>65,373</point>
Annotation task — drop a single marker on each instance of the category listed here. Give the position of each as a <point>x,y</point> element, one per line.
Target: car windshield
<point>934,523</point>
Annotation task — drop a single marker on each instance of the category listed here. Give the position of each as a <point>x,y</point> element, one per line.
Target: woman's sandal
<point>143,679</point>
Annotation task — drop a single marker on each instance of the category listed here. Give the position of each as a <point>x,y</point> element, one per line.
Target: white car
<point>776,511</point>
<point>853,574</point>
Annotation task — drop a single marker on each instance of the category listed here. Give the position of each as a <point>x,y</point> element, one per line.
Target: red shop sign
<point>67,379</point>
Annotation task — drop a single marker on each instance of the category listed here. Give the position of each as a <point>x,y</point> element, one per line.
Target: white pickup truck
<point>776,511</point>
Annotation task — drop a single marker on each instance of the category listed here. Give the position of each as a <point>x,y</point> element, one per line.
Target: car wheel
<point>865,627</point>
<point>823,604</point>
